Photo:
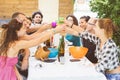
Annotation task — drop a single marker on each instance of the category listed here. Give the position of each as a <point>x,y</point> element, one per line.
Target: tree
<point>108,9</point>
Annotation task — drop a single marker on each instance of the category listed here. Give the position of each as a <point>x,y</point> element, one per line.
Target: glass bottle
<point>61,49</point>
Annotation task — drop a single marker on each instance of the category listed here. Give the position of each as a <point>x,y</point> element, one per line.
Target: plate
<point>74,60</point>
<point>49,60</point>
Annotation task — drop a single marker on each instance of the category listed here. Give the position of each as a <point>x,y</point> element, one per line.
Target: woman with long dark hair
<point>11,44</point>
<point>74,39</point>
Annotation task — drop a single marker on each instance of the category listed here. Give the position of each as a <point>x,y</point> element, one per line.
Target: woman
<point>37,18</point>
<point>106,49</point>
<point>83,21</point>
<point>87,24</point>
<point>11,45</point>
<point>74,39</point>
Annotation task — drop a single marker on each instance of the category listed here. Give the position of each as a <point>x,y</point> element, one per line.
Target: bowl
<point>53,52</point>
<point>78,51</point>
<point>42,53</point>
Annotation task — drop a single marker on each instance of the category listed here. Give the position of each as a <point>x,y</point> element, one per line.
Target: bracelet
<point>71,26</point>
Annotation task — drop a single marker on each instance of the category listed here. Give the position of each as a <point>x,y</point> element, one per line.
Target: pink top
<point>7,65</point>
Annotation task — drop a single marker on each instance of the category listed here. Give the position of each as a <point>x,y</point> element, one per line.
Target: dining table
<point>67,69</point>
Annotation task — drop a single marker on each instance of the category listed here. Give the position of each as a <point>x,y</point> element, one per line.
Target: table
<point>64,70</point>
<point>80,70</point>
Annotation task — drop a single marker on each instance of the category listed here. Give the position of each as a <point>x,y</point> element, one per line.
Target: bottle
<point>61,49</point>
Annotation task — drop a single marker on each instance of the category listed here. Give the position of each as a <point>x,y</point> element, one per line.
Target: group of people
<point>83,23</point>
<point>18,36</point>
<point>13,33</point>
<point>100,33</point>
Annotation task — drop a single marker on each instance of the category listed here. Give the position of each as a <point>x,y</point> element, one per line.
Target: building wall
<point>65,7</point>
<point>50,9</point>
<point>53,9</point>
<point>8,7</point>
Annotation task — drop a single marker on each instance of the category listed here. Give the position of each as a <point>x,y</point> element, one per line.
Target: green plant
<point>108,9</point>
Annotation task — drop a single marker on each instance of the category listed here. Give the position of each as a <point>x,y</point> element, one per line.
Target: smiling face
<point>37,19</point>
<point>83,23</point>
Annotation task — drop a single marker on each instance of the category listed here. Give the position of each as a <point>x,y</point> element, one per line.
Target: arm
<point>33,29</point>
<point>71,31</point>
<point>21,44</point>
<point>37,33</point>
<point>19,77</point>
<point>44,27</point>
<point>77,31</point>
<point>39,28</point>
<point>74,27</point>
<point>25,60</point>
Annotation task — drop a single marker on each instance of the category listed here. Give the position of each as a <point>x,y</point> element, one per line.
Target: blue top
<point>74,39</point>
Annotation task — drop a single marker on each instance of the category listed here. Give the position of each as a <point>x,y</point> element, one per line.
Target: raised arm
<point>42,37</point>
<point>39,28</point>
<point>37,33</point>
<point>77,31</point>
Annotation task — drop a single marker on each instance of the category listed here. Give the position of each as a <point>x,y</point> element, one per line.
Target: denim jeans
<point>113,76</point>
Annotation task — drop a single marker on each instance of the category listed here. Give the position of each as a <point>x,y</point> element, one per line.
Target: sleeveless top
<point>7,68</point>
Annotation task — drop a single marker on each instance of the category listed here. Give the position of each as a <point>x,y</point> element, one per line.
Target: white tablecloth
<point>80,70</point>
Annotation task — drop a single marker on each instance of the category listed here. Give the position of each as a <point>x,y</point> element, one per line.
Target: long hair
<point>10,35</point>
<point>75,21</point>
<point>85,17</point>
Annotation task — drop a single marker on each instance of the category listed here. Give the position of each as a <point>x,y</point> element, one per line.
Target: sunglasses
<point>91,24</point>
